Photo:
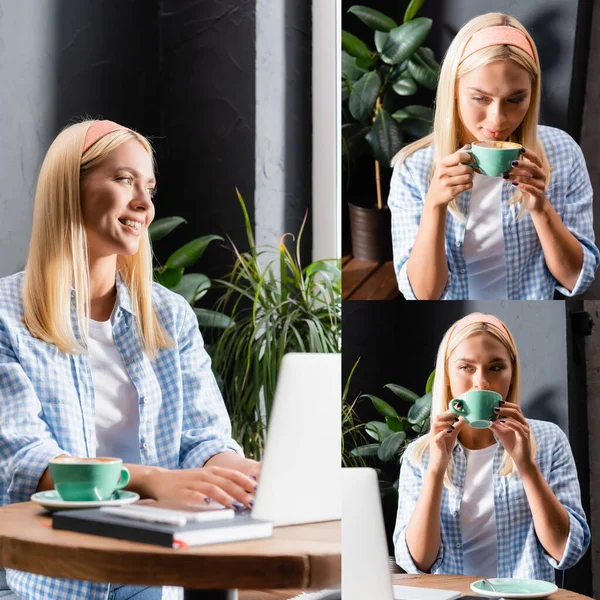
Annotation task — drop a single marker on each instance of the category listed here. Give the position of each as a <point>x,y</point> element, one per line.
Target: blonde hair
<point>442,395</point>
<point>58,260</point>
<point>447,125</point>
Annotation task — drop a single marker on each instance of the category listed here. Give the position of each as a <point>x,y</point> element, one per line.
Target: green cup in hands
<point>87,479</point>
<point>476,406</point>
<point>493,158</point>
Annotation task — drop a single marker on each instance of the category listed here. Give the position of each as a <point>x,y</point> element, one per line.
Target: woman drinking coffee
<point>459,234</point>
<point>96,359</point>
<point>500,501</point>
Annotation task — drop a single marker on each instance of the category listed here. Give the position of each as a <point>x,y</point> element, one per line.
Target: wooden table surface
<point>461,584</point>
<point>301,556</point>
<point>368,280</point>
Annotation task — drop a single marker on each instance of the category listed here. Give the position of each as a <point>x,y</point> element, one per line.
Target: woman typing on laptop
<point>96,359</point>
<point>487,492</point>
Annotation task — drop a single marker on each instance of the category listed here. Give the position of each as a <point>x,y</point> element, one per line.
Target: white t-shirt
<point>478,516</point>
<point>484,241</point>
<point>117,410</point>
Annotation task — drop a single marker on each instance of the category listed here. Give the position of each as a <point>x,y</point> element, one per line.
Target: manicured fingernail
<point>504,175</point>
<point>456,419</point>
<point>237,505</point>
<point>496,410</point>
<point>449,431</point>
<point>502,401</point>
<point>254,477</point>
<point>502,420</point>
<point>256,487</point>
<point>515,163</point>
<point>251,503</point>
<point>514,183</point>
<point>522,150</point>
<point>492,419</point>
<point>207,500</point>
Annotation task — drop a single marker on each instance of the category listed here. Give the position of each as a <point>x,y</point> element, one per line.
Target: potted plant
<point>375,121</point>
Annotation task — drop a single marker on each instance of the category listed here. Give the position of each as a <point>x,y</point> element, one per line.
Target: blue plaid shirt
<point>47,408</point>
<point>527,276</point>
<point>520,553</point>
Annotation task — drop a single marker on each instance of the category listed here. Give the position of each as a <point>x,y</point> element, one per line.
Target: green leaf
<point>412,9</point>
<point>211,318</point>
<point>388,493</point>
<point>385,138</point>
<point>415,128</point>
<point>390,446</point>
<point>422,427</point>
<point>191,285</point>
<point>169,277</point>
<point>397,71</point>
<point>381,406</point>
<point>405,40</point>
<point>422,72</point>
<point>363,96</point>
<point>365,62</point>
<point>373,18</point>
<point>350,69</point>
<point>378,430</point>
<point>365,450</point>
<point>429,384</point>
<point>395,424</point>
<point>187,255</point>
<point>402,392</point>
<point>162,227</point>
<point>424,113</point>
<point>321,266</point>
<point>380,39</point>
<point>420,410</point>
<point>353,46</point>
<point>405,86</point>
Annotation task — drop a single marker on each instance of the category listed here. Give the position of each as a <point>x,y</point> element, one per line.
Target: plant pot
<point>371,232</point>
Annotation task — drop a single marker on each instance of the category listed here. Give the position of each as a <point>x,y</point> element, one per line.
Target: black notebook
<point>96,522</point>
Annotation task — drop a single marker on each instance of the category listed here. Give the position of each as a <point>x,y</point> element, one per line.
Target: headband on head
<point>478,318</point>
<point>97,131</point>
<point>497,36</point>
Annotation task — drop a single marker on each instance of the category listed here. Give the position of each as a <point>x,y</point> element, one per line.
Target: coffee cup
<point>87,479</point>
<point>476,406</point>
<point>493,158</point>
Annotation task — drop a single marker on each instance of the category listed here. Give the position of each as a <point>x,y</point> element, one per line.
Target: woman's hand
<point>445,428</point>
<point>528,175</point>
<point>514,434</point>
<point>201,486</point>
<point>232,460</point>
<point>450,178</point>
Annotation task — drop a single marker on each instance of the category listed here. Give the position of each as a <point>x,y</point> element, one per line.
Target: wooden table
<point>461,584</point>
<point>298,557</point>
<point>368,280</point>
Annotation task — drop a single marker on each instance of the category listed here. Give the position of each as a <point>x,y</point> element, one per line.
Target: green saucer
<point>52,501</point>
<point>507,587</point>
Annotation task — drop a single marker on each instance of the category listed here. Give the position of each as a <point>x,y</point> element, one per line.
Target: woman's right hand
<point>450,178</point>
<point>444,431</point>
<point>200,486</point>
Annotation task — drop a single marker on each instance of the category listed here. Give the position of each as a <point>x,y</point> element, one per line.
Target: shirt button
<point>458,243</point>
<point>455,513</point>
<point>145,445</point>
<point>463,270</point>
<point>458,545</point>
<point>130,360</point>
<point>144,399</point>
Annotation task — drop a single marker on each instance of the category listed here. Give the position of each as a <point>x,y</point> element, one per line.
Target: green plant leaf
<point>424,113</point>
<point>415,128</point>
<point>162,227</point>
<point>373,18</point>
<point>382,407</point>
<point>405,40</point>
<point>388,493</point>
<point>321,266</point>
<point>402,392</point>
<point>187,255</point>
<point>429,384</point>
<point>396,424</point>
<point>211,318</point>
<point>350,69</point>
<point>380,38</point>
<point>422,427</point>
<point>364,96</point>
<point>412,9</point>
<point>366,450</point>
<point>422,72</point>
<point>405,86</point>
<point>390,446</point>
<point>378,430</point>
<point>420,410</point>
<point>397,71</point>
<point>353,46</point>
<point>385,137</point>
<point>365,62</point>
<point>169,277</point>
<point>347,386</point>
<point>191,285</point>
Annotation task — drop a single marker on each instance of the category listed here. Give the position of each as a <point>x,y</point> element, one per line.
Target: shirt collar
<point>123,296</point>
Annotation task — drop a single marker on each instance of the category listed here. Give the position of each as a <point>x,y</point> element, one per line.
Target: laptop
<point>365,564</point>
<point>300,475</point>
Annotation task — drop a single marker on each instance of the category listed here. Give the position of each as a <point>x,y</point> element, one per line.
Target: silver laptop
<point>300,477</point>
<point>365,564</point>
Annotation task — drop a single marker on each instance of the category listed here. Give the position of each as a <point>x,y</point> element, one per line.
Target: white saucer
<point>51,500</point>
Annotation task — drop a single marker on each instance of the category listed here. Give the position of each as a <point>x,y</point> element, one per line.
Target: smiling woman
<point>459,234</point>
<point>96,359</point>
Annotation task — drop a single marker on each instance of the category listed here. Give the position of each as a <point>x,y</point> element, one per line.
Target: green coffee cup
<point>87,479</point>
<point>493,158</point>
<point>476,406</point>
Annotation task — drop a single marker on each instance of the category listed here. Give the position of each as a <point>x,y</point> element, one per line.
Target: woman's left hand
<point>232,460</point>
<point>513,431</point>
<point>529,176</point>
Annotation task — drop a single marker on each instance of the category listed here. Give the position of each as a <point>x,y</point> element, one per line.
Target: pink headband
<point>496,36</point>
<point>98,130</point>
<point>478,318</point>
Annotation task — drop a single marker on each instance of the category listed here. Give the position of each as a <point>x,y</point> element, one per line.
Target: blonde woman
<point>497,502</point>
<point>96,359</point>
<point>460,235</point>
